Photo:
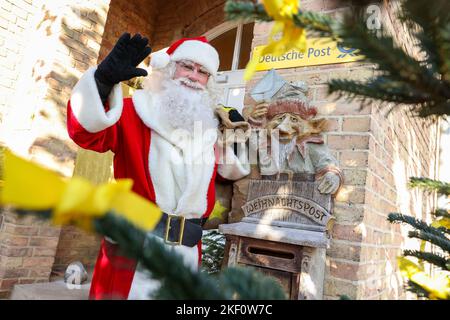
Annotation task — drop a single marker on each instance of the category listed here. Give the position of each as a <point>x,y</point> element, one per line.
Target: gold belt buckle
<point>180,235</point>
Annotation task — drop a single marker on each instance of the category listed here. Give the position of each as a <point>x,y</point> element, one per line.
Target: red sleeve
<point>101,141</point>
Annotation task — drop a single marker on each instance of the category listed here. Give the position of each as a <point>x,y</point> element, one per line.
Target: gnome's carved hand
<point>120,64</point>
<point>260,110</point>
<point>233,126</point>
<point>329,183</point>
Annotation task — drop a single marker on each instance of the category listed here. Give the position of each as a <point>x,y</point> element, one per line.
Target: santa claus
<point>164,138</point>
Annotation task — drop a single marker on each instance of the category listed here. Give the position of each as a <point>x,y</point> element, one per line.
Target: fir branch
<point>249,11</point>
<point>415,223</point>
<point>177,280</point>
<point>213,251</point>
<point>393,63</point>
<point>441,213</point>
<point>417,289</point>
<point>435,259</point>
<point>433,22</point>
<point>430,185</point>
<point>248,284</point>
<point>245,11</point>
<point>440,241</point>
<point>379,89</point>
<point>322,24</point>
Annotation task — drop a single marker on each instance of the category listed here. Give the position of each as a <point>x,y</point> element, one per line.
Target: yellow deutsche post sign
<point>319,51</point>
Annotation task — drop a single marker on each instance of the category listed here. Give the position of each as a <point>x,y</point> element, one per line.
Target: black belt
<point>177,230</point>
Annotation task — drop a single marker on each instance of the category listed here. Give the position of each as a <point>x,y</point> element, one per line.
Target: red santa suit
<point>175,173</point>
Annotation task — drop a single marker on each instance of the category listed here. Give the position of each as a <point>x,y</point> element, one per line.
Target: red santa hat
<point>197,50</point>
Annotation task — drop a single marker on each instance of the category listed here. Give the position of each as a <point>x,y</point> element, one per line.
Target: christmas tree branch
<point>417,289</point>
<point>245,11</point>
<point>415,223</point>
<point>177,280</point>
<point>433,34</point>
<point>440,241</point>
<point>249,11</point>
<point>432,258</point>
<point>441,213</point>
<point>249,285</point>
<point>430,185</point>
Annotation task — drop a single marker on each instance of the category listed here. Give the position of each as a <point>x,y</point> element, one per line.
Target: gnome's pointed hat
<point>194,49</point>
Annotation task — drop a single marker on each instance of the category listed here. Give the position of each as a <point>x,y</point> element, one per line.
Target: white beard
<point>182,107</point>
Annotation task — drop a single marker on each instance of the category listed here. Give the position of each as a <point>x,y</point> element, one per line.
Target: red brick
<point>332,125</point>
<point>49,231</point>
<point>344,270</point>
<point>8,284</point>
<point>18,241</point>
<point>353,159</point>
<point>359,124</point>
<point>6,273</point>
<point>344,251</point>
<point>38,262</point>
<point>355,177</point>
<point>43,242</point>
<point>348,142</point>
<point>40,273</point>
<point>44,252</point>
<point>347,232</point>
<point>15,251</point>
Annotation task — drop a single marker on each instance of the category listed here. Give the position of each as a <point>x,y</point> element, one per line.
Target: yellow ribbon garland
<point>293,37</point>
<point>438,286</point>
<point>30,187</point>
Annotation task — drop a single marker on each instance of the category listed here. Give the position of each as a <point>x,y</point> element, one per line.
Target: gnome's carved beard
<point>285,150</point>
<point>181,106</point>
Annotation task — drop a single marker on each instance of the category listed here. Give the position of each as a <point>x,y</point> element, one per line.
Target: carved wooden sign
<point>297,202</point>
<point>300,205</point>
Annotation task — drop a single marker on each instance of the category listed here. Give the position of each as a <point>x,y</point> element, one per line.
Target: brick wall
<point>47,46</point>
<point>377,154</point>
<point>180,18</point>
<point>138,16</point>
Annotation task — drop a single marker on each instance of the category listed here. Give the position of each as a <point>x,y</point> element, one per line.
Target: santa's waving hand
<point>121,63</point>
<point>164,138</point>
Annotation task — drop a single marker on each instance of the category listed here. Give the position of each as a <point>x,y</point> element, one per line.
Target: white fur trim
<point>180,176</point>
<point>143,286</point>
<point>230,166</point>
<point>159,59</point>
<point>199,52</point>
<point>87,106</point>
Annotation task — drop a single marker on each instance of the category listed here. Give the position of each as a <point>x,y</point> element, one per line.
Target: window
<point>233,42</point>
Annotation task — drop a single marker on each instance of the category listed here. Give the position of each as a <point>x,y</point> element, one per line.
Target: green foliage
<point>213,251</point>
<point>417,289</point>
<point>430,185</point>
<point>415,223</point>
<point>249,285</point>
<point>245,11</point>
<point>177,280</point>
<point>433,258</point>
<point>422,84</point>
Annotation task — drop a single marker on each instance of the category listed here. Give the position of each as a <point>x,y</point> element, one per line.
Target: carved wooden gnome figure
<point>292,141</point>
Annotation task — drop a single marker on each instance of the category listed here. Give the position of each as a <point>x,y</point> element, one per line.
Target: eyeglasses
<point>192,67</point>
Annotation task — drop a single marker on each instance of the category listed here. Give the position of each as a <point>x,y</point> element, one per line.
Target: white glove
<point>329,183</point>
